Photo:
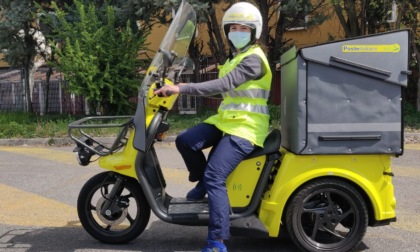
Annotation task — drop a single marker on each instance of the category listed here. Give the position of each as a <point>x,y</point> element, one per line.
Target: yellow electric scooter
<point>324,178</point>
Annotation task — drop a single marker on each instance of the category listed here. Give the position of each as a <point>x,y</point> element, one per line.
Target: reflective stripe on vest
<point>250,93</point>
<point>261,109</point>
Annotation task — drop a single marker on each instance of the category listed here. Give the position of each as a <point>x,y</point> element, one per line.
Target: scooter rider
<point>242,121</point>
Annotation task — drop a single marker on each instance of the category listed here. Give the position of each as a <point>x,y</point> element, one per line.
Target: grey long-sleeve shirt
<point>249,68</point>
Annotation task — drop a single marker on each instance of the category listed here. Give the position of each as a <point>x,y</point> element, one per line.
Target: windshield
<point>175,43</point>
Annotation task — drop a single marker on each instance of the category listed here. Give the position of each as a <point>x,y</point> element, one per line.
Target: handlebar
<point>168,93</point>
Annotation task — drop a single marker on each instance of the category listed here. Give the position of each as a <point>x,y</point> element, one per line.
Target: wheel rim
<point>328,219</point>
<point>113,219</point>
<point>123,217</point>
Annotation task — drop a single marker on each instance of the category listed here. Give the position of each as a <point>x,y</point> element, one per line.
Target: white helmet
<point>244,14</point>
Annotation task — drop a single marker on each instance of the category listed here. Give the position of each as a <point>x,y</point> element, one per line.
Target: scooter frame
<point>282,187</point>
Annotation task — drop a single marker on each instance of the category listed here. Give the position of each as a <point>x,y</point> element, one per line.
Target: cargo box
<point>345,97</point>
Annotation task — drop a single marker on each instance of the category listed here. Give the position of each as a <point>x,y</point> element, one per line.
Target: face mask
<point>239,39</point>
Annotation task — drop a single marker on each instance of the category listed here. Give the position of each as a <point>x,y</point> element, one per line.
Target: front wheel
<point>115,220</point>
<point>327,215</point>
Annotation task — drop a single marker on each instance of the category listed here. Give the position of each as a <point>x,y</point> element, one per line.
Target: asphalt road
<point>39,188</point>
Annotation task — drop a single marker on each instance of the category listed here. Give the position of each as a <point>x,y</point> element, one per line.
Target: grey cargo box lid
<point>345,97</point>
<point>377,55</point>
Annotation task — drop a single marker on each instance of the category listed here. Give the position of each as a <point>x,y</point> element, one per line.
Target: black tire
<point>326,215</point>
<point>130,209</point>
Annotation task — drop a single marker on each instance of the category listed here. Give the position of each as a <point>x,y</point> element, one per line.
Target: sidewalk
<point>410,137</point>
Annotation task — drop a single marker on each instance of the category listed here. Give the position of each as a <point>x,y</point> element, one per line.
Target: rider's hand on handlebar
<point>167,90</point>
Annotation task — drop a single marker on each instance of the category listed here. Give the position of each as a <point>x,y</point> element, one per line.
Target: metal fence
<point>56,98</point>
<point>46,99</point>
<point>11,98</point>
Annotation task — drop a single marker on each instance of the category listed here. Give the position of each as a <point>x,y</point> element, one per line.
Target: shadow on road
<point>160,236</point>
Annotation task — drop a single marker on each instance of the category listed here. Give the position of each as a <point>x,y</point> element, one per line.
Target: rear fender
<point>364,171</point>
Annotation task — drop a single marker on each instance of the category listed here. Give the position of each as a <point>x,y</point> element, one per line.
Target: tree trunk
<point>403,5</point>
<point>276,44</point>
<point>28,97</point>
<point>363,16</point>
<point>418,87</point>
<point>339,12</point>
<point>264,9</point>
<point>351,25</point>
<point>47,88</point>
<point>216,40</point>
<point>353,21</point>
<point>417,55</point>
<point>32,71</point>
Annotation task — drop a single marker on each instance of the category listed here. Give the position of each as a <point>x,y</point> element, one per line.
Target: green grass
<point>411,118</point>
<point>22,125</point>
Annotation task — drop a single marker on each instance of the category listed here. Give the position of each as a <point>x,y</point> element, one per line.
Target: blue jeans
<point>227,152</point>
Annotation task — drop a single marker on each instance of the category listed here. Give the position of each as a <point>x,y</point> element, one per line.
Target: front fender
<point>122,162</point>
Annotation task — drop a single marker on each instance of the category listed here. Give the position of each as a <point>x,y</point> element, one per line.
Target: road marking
<point>406,171</point>
<point>66,157</point>
<point>28,209</point>
<point>412,146</point>
<point>22,208</point>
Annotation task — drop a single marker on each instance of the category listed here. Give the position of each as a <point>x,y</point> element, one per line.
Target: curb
<point>36,141</point>
<point>60,141</point>
<point>66,141</point>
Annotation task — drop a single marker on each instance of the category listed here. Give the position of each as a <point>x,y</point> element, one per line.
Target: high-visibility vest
<point>244,111</point>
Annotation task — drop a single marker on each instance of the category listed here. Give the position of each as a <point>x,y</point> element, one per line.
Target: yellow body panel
<point>122,162</point>
<point>155,102</point>
<point>242,181</point>
<point>365,171</point>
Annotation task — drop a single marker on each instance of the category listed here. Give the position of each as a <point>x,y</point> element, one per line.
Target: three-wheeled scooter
<point>325,177</point>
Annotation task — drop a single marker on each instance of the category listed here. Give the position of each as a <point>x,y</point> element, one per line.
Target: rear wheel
<point>113,220</point>
<point>327,215</point>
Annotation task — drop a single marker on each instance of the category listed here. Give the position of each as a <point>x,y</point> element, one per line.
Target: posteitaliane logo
<point>391,48</point>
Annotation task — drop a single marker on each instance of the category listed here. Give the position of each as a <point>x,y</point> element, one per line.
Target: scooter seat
<point>271,145</point>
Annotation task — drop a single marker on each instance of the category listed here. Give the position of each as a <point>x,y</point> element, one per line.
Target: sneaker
<point>214,246</point>
<point>198,192</point>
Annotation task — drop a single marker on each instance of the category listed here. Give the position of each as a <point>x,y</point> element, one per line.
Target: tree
<point>22,40</point>
<point>372,16</point>
<point>207,14</point>
<point>97,57</point>
<point>278,17</point>
<point>363,17</point>
<point>408,18</point>
<point>44,6</point>
<point>19,37</point>
<point>142,14</point>
<point>281,16</point>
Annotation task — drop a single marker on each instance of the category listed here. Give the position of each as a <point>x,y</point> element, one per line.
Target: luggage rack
<point>77,132</point>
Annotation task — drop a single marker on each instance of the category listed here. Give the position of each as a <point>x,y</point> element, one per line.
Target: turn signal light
<point>160,137</point>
